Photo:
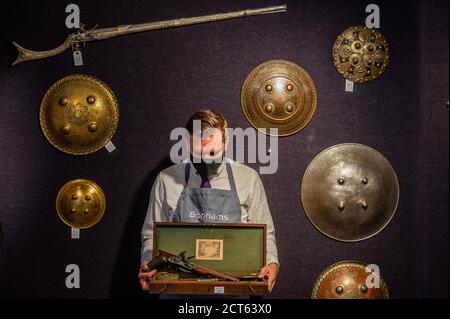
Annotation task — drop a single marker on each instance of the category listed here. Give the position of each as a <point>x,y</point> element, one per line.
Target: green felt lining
<point>243,247</point>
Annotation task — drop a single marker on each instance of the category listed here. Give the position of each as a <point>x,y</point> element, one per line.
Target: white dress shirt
<point>170,182</point>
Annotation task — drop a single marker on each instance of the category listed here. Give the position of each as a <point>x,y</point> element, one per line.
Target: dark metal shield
<point>349,280</point>
<point>79,114</point>
<point>80,203</point>
<point>278,94</point>
<point>350,192</point>
<point>361,54</point>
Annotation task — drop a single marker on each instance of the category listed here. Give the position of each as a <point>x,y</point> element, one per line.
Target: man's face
<point>207,145</point>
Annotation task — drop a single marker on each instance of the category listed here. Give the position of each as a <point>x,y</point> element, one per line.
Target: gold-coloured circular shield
<point>350,280</point>
<point>278,94</point>
<point>350,192</point>
<point>79,114</point>
<point>80,203</point>
<point>361,54</point>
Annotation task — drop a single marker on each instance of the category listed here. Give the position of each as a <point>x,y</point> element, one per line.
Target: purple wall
<point>160,77</point>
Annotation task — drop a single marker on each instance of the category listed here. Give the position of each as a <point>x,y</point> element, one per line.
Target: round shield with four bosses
<point>278,94</point>
<point>350,192</point>
<point>80,203</point>
<point>79,114</point>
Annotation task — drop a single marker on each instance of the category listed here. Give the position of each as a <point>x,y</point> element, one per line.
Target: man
<point>232,192</point>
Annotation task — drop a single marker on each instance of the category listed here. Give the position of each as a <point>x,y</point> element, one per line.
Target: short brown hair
<point>209,119</point>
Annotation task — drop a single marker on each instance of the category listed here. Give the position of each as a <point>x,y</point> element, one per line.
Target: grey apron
<point>208,205</point>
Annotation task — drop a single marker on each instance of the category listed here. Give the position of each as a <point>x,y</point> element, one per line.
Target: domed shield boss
<point>349,280</point>
<point>349,192</point>
<point>361,54</point>
<point>278,94</point>
<point>80,203</point>
<point>79,114</point>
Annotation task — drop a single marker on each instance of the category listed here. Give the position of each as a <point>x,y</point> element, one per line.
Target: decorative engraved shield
<point>278,94</point>
<point>79,114</point>
<point>350,192</point>
<point>361,54</point>
<point>349,280</point>
<point>80,203</point>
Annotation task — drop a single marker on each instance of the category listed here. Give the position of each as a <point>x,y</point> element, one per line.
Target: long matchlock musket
<point>75,40</point>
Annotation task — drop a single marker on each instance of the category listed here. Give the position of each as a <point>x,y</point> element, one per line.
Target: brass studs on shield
<point>93,127</point>
<point>91,99</point>
<point>361,54</point>
<point>64,101</point>
<point>289,87</point>
<point>79,114</point>
<point>268,88</point>
<point>278,94</point>
<point>349,192</point>
<point>348,280</point>
<point>80,203</point>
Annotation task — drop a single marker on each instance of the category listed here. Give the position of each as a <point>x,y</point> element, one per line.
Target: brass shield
<point>350,192</point>
<point>80,203</point>
<point>79,114</point>
<point>347,280</point>
<point>361,54</point>
<point>278,94</point>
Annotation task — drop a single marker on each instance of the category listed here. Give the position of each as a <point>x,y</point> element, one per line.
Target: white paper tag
<point>77,58</point>
<point>219,290</point>
<point>110,147</point>
<point>348,86</point>
<point>75,233</point>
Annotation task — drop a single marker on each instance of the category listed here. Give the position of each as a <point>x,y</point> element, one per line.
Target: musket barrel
<point>142,27</point>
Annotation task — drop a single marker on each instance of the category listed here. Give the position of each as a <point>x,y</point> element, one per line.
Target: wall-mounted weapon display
<point>80,203</point>
<point>279,94</point>
<point>349,279</point>
<point>350,192</point>
<point>361,54</point>
<point>79,39</point>
<point>79,114</point>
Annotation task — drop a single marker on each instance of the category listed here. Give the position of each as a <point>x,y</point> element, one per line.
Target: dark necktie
<point>205,183</point>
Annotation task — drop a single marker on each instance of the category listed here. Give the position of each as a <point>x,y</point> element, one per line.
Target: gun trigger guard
<point>76,46</point>
<point>171,268</point>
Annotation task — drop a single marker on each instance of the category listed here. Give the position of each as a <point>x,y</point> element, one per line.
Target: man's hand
<point>145,276</point>
<point>270,272</point>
